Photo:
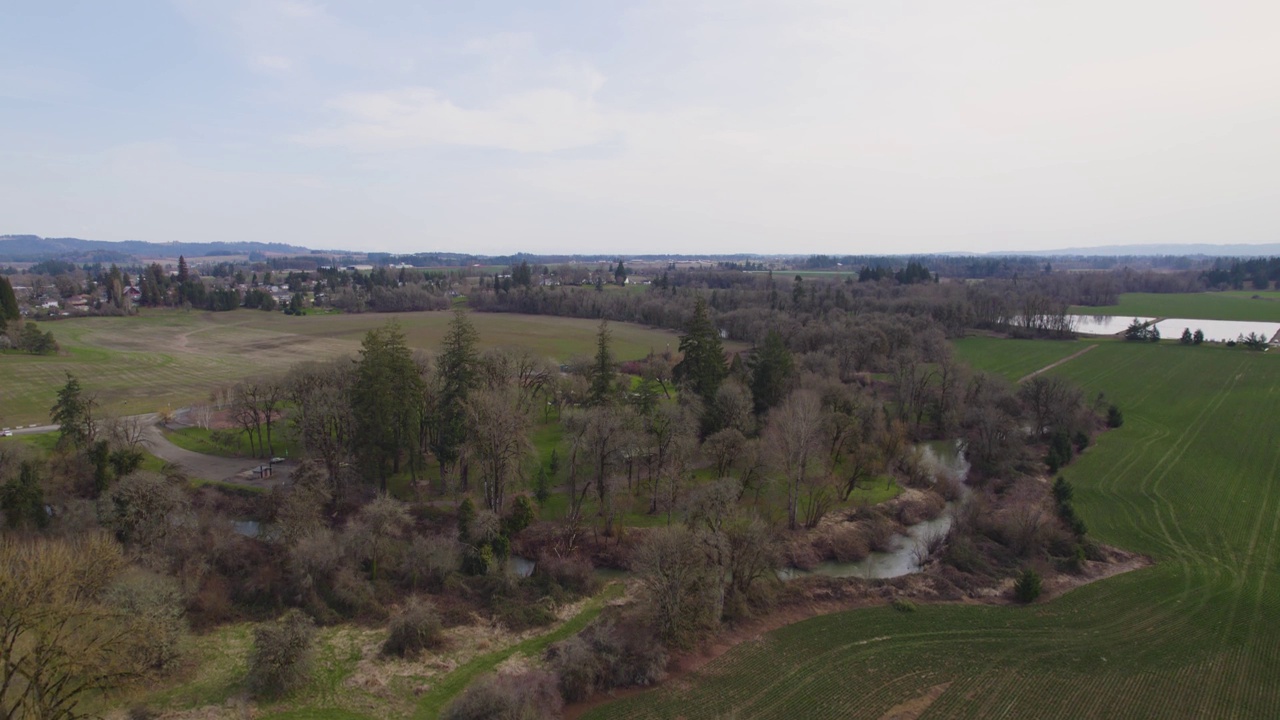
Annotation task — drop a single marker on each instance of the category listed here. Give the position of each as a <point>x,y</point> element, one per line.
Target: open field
<point>170,358</point>
<point>1015,358</point>
<point>1231,305</point>
<point>1192,479</point>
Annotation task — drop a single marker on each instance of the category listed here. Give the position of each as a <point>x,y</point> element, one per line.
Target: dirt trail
<point>207,467</point>
<point>181,340</point>
<point>1053,365</point>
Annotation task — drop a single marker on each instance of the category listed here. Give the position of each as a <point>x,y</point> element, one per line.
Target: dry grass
<point>168,358</point>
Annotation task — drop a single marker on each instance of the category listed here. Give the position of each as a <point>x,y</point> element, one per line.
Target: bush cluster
<point>281,659</point>
<point>1027,588</point>
<point>416,627</point>
<point>607,655</point>
<point>527,696</point>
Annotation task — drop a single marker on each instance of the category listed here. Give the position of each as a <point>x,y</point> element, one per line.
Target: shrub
<point>520,518</point>
<point>1062,490</point>
<point>1081,441</point>
<point>848,545</point>
<point>903,605</point>
<point>1059,451</point>
<point>576,666</point>
<point>466,515</point>
<point>430,561</point>
<point>1115,418</point>
<point>950,488</point>
<point>153,603</point>
<point>879,533</point>
<point>281,659</point>
<point>963,555</point>
<point>573,574</point>
<point>607,655</point>
<point>479,561</point>
<point>518,614</point>
<point>413,629</point>
<point>1027,588</point>
<point>1067,512</point>
<point>352,594</point>
<point>1075,562</point>
<point>528,696</point>
<point>927,507</point>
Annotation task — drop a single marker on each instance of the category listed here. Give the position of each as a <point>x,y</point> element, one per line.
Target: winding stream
<point>943,459</point>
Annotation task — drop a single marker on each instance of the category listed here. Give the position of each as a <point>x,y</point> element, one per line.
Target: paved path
<point>1053,365</point>
<point>208,467</point>
<point>197,465</point>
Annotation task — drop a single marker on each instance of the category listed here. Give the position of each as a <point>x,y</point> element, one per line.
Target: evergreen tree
<point>184,274</point>
<point>603,375</point>
<point>73,414</point>
<point>385,403</point>
<point>1027,587</point>
<point>458,377</point>
<point>1137,330</point>
<point>9,311</point>
<point>522,274</point>
<point>771,370</point>
<point>703,368</point>
<point>22,499</point>
<point>542,486</point>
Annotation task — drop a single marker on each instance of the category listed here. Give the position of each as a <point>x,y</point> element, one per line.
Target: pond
<point>1216,330</point>
<point>1103,324</point>
<point>943,458</point>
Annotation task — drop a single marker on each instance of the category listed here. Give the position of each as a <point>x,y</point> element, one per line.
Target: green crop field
<point>1015,359</point>
<point>1233,305</point>
<point>164,358</point>
<point>1192,479</point>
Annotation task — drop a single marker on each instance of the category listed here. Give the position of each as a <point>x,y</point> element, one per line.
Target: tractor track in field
<point>1055,364</point>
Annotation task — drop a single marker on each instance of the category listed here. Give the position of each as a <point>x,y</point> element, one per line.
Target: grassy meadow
<point>1191,479</point>
<point>1015,359</point>
<point>1261,305</point>
<point>349,682</point>
<point>170,358</point>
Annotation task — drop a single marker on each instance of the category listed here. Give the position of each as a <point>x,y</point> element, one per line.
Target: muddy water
<point>941,459</point>
<point>520,566</point>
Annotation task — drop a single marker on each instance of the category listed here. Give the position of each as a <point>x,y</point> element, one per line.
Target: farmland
<point>1232,305</point>
<point>172,358</point>
<point>1190,479</point>
<point>1014,358</point>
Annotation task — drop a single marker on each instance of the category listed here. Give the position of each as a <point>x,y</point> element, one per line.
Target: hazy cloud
<point>713,125</point>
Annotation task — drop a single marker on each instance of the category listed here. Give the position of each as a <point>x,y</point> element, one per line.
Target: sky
<point>690,126</point>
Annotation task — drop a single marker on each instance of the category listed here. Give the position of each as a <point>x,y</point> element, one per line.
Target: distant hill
<point>33,248</point>
<point>1270,249</point>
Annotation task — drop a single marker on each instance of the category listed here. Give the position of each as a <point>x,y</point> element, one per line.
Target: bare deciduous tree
<point>794,435</point>
<point>679,586</point>
<point>59,640</point>
<point>498,437</point>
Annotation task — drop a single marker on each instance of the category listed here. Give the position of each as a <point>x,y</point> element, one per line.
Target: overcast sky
<point>683,126</point>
